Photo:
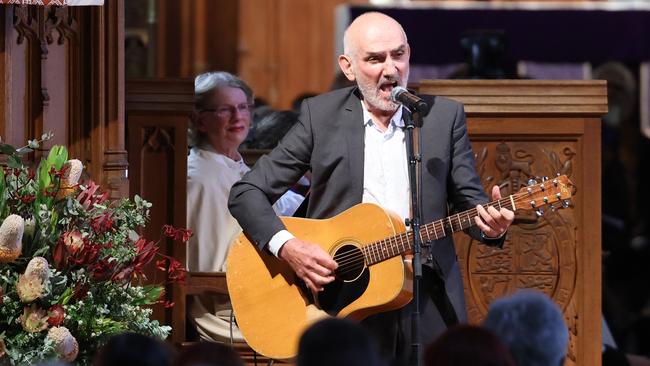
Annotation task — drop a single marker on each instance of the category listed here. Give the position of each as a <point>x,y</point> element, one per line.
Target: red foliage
<point>177,234</point>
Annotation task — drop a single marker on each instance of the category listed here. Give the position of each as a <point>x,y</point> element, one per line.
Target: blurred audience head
<point>532,327</point>
<point>209,354</point>
<point>128,349</point>
<point>223,105</point>
<point>270,130</point>
<point>463,345</point>
<point>335,341</point>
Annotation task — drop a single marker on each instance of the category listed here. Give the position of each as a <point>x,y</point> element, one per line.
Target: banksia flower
<point>11,238</point>
<point>33,319</point>
<point>29,288</point>
<point>73,169</point>
<point>64,342</point>
<point>38,268</point>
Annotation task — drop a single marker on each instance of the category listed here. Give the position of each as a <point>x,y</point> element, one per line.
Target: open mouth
<point>388,86</point>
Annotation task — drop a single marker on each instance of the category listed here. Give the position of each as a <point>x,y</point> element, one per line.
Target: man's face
<point>379,62</point>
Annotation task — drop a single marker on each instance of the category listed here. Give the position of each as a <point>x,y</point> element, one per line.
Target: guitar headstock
<point>554,193</point>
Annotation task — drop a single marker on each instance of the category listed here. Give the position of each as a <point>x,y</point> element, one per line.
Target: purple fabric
<point>536,35</point>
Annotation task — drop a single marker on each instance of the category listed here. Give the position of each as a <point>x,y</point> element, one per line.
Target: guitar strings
<point>354,259</point>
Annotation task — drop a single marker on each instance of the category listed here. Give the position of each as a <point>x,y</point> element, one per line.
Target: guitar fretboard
<point>403,243</point>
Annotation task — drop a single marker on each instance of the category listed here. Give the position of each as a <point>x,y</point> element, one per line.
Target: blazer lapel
<point>355,145</point>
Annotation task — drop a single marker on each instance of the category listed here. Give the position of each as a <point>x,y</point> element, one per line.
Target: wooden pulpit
<point>527,129</point>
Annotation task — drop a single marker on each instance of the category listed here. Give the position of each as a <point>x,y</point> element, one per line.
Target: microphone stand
<point>413,145</point>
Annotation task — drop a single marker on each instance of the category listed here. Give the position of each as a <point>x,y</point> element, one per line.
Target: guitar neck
<point>403,243</point>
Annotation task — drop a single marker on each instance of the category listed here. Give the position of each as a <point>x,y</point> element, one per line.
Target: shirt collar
<point>395,120</point>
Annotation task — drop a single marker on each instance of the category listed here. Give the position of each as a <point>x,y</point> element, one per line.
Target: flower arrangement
<point>71,262</point>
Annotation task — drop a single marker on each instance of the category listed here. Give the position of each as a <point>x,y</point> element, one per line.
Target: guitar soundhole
<point>351,262</point>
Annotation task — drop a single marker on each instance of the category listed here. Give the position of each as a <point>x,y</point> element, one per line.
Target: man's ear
<point>346,67</point>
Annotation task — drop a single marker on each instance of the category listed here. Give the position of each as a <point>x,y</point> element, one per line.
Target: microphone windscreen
<point>396,92</point>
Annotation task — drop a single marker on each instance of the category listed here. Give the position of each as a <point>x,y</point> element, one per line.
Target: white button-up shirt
<point>385,171</point>
<point>385,167</point>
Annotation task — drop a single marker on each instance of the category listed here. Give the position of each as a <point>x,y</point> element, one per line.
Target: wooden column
<point>522,129</point>
<point>157,118</point>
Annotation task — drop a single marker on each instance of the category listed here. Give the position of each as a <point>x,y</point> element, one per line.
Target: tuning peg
<point>539,212</point>
<point>544,178</point>
<point>545,199</point>
<point>533,204</point>
<point>532,182</point>
<point>566,203</point>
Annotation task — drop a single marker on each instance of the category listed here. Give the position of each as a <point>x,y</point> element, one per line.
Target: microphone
<point>409,100</point>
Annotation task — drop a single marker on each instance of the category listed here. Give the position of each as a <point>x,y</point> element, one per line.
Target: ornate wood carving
<point>73,84</point>
<point>61,20</point>
<point>521,129</point>
<point>23,23</point>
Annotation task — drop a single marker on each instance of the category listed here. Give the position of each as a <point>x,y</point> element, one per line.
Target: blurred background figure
<point>219,124</point>
<point>132,349</point>
<point>465,345</point>
<point>272,128</point>
<point>532,327</point>
<point>336,341</point>
<point>208,354</point>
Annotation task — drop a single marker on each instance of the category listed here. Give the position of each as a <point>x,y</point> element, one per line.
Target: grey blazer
<point>329,140</point>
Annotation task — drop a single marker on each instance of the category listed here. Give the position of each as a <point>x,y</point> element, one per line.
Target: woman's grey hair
<point>204,87</point>
<point>532,327</point>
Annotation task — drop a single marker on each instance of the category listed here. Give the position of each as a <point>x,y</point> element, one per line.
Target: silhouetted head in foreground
<point>468,345</point>
<point>209,354</point>
<point>128,349</point>
<point>336,341</point>
<point>532,327</point>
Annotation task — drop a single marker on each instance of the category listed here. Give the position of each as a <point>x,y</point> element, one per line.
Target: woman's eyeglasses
<point>227,111</point>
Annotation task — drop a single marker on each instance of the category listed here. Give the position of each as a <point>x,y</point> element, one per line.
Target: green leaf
<point>14,161</point>
<point>152,294</point>
<point>24,150</point>
<point>58,156</point>
<point>65,296</point>
<point>7,149</point>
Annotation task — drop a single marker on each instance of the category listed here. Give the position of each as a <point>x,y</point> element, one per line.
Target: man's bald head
<point>369,25</point>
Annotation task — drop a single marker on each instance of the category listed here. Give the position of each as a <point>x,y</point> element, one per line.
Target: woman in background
<point>219,124</point>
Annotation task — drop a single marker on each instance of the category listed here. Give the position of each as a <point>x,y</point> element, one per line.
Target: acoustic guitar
<point>273,306</point>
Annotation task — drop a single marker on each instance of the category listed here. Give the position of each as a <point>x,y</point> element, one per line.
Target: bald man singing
<point>353,141</point>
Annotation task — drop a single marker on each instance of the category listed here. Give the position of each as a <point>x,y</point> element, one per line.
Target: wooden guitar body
<point>273,307</point>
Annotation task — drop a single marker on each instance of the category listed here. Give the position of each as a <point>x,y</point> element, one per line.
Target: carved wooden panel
<point>62,71</point>
<point>522,130</point>
<point>157,117</point>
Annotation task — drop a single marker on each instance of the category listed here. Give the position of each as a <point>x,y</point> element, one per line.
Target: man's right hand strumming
<point>311,263</point>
